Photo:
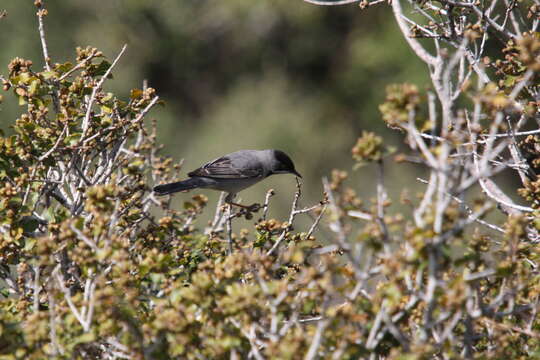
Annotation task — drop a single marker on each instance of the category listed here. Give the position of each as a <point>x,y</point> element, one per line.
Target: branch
<point>471,215</point>
<point>413,43</point>
<point>493,191</point>
<point>381,199</point>
<point>269,194</point>
<point>316,222</point>
<point>291,218</point>
<point>411,129</point>
<point>217,222</point>
<point>317,338</point>
<point>426,200</point>
<point>331,3</point>
<point>77,67</point>
<point>481,14</point>
<point>52,327</point>
<point>51,150</point>
<point>230,241</point>
<point>41,12</point>
<point>521,133</point>
<point>147,108</point>
<point>92,99</point>
<point>295,211</point>
<point>67,296</point>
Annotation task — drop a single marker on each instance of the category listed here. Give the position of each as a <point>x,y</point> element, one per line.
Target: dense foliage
<point>95,266</point>
<point>221,65</point>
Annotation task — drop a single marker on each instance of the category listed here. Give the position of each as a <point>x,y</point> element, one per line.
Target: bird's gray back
<point>239,164</point>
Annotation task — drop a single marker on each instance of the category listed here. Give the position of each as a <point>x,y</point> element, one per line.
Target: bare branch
<point>467,208</point>
<point>40,13</point>
<point>230,240</point>
<point>92,99</point>
<point>413,43</point>
<point>143,113</point>
<point>269,194</point>
<point>316,222</point>
<point>331,3</point>
<point>55,146</point>
<point>316,342</point>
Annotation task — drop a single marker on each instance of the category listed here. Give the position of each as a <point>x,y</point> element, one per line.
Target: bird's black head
<point>283,164</point>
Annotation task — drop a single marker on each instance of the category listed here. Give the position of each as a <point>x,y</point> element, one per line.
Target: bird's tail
<point>188,184</point>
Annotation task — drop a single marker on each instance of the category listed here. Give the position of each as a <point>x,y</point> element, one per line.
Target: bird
<point>233,173</point>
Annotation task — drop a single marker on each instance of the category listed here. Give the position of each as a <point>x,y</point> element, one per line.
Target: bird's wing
<point>227,168</point>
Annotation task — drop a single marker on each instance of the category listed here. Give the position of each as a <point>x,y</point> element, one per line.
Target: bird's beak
<point>296,173</point>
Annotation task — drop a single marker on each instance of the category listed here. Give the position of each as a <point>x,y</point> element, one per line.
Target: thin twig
<point>413,43</point>
<point>52,326</point>
<point>41,29</point>
<point>469,210</point>
<point>53,148</point>
<point>520,133</point>
<point>381,199</point>
<point>316,223</point>
<point>229,230</point>
<point>67,296</point>
<point>331,3</point>
<point>89,105</point>
<point>269,194</point>
<point>36,287</point>
<point>76,67</point>
<point>317,339</point>
<point>291,219</point>
<point>143,113</point>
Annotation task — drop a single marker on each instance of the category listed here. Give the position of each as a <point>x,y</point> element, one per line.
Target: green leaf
<point>136,94</point>
<point>107,97</point>
<point>15,202</point>
<point>72,139</point>
<point>106,121</point>
<point>29,224</point>
<point>29,244</point>
<point>79,223</point>
<point>84,338</point>
<point>49,214</point>
<point>23,78</point>
<point>49,74</point>
<point>106,109</point>
<point>65,67</point>
<point>34,85</point>
<point>4,292</point>
<point>102,68</point>
<point>510,81</point>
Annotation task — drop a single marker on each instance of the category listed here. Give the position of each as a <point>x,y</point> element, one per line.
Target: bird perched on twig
<point>233,173</point>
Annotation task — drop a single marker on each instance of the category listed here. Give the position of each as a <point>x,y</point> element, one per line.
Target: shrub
<point>93,265</point>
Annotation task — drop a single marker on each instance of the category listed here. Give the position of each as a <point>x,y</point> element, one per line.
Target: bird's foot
<point>247,210</point>
<point>254,207</point>
<point>251,208</point>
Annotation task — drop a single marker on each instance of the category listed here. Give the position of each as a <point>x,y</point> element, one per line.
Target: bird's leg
<point>251,208</point>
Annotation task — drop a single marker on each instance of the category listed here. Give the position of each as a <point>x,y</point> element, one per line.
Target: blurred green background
<point>239,74</point>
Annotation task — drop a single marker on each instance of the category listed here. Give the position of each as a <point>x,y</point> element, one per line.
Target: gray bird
<point>233,173</point>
